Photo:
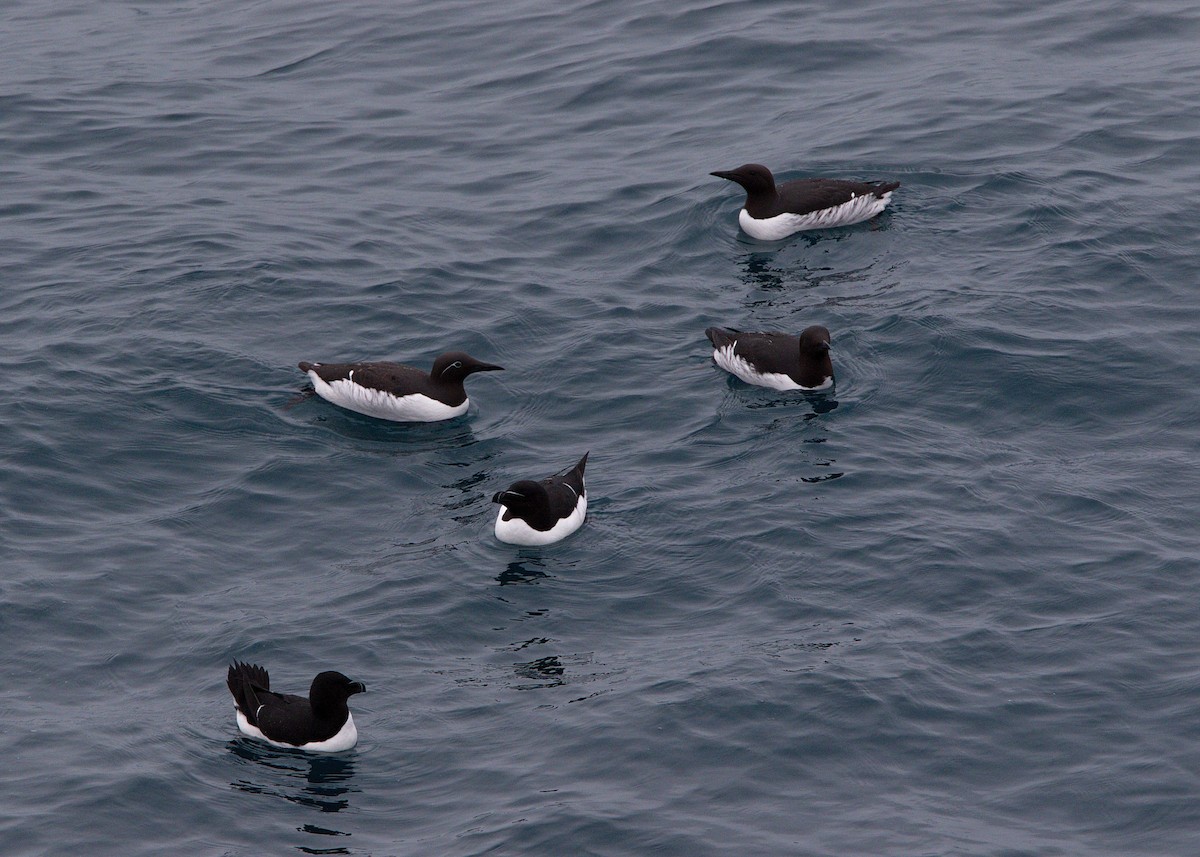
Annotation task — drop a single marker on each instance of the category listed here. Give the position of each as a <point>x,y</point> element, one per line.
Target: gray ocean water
<point>949,608</point>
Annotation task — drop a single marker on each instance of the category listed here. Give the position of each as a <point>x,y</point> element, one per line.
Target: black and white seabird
<point>392,391</point>
<point>322,722</point>
<point>772,212</point>
<point>541,513</point>
<point>776,360</point>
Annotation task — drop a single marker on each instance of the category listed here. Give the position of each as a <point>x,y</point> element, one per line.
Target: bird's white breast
<point>346,738</point>
<point>517,532</point>
<point>413,408</point>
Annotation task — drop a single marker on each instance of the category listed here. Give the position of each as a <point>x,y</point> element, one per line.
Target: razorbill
<point>392,391</point>
<point>321,723</point>
<point>772,212</point>
<point>541,513</point>
<point>776,360</point>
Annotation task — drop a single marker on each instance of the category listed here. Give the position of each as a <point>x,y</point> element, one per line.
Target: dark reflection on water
<point>522,571</point>
<point>321,782</point>
<point>544,672</point>
<point>824,478</point>
<point>301,397</point>
<point>792,283</point>
<point>821,403</point>
<point>760,273</point>
<point>470,490</point>
<point>321,831</point>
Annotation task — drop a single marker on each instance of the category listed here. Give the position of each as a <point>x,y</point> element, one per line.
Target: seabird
<point>772,212</point>
<point>776,360</point>
<point>393,391</point>
<point>541,513</point>
<point>321,723</point>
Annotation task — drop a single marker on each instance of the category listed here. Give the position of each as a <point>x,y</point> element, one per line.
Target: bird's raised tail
<point>245,682</point>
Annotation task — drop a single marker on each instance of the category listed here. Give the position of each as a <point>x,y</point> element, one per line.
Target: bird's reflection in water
<point>761,274</point>
<point>321,831</point>
<point>760,271</point>
<point>790,285</point>
<point>821,403</point>
<point>521,571</point>
<point>544,672</point>
<point>321,782</point>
